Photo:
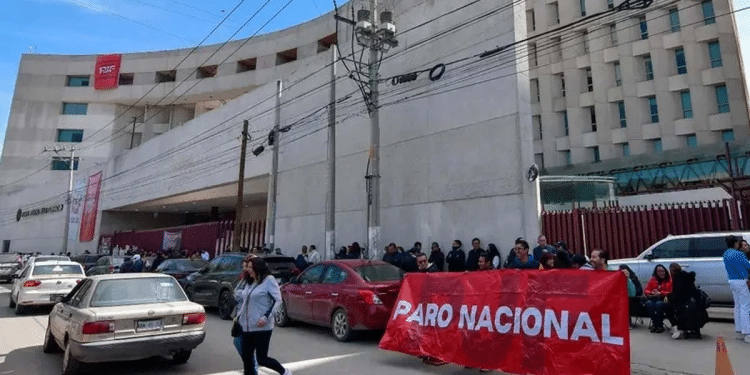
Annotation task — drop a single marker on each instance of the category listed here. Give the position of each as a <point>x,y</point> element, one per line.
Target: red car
<point>346,295</point>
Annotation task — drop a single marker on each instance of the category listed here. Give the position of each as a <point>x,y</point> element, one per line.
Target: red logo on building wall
<point>107,72</point>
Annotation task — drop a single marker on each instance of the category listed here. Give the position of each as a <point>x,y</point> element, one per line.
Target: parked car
<point>180,268</point>
<point>42,282</point>
<point>10,263</point>
<point>214,284</point>
<point>124,317</point>
<point>107,264</point>
<point>41,258</point>
<point>700,252</point>
<point>345,295</point>
<point>87,260</point>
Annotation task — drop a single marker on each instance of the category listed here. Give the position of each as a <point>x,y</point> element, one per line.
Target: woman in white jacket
<point>257,295</point>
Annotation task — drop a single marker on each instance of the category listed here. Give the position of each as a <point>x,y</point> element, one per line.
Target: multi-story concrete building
<point>633,82</point>
<point>455,147</point>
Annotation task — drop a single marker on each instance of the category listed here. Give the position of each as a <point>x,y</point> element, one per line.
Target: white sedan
<point>123,317</point>
<point>42,282</point>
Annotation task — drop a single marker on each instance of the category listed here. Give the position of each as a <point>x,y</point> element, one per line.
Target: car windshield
<point>140,291</point>
<point>117,261</point>
<point>65,269</point>
<point>8,258</point>
<point>379,272</point>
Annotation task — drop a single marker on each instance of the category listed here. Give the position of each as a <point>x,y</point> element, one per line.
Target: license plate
<point>53,297</point>
<point>149,325</point>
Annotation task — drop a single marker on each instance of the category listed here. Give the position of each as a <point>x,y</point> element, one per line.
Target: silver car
<point>701,252</point>
<point>41,283</point>
<point>122,317</point>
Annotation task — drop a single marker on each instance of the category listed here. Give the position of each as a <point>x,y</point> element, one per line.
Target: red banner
<point>107,72</point>
<point>90,208</point>
<point>522,322</point>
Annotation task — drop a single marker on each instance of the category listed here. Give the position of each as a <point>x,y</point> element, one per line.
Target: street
<point>311,350</point>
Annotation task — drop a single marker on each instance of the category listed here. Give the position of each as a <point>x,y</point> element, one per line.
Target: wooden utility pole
<point>240,190</point>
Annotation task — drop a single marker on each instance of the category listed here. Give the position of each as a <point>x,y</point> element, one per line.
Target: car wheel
<point>181,356</point>
<point>11,304</point>
<point>281,318</point>
<point>50,345</point>
<point>340,327</point>
<point>71,366</point>
<point>226,305</point>
<point>19,309</point>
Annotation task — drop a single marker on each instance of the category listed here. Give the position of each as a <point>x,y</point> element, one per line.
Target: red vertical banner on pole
<point>90,208</point>
<point>107,72</point>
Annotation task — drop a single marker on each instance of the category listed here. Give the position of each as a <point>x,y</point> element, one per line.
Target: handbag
<point>236,328</point>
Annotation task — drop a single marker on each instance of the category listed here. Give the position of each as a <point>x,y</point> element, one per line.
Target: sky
<point>72,27</point>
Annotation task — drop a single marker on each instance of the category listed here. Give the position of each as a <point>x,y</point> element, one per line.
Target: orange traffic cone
<point>723,366</point>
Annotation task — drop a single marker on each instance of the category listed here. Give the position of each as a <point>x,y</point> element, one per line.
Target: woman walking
<point>256,297</point>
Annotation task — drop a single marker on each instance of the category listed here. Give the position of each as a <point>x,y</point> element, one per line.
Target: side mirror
<point>649,256</point>
<point>15,276</point>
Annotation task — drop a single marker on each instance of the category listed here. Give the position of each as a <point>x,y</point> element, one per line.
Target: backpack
<point>704,301</point>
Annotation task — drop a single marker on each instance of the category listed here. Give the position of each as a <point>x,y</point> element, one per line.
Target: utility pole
<point>271,225</point>
<point>69,197</point>
<point>240,190</point>
<point>331,196</point>
<point>373,230</point>
<point>132,135</point>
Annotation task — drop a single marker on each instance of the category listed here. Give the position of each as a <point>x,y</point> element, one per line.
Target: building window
<point>727,135</point>
<point>532,54</point>
<point>692,141</point>
<point>585,36</point>
<point>536,121</point>
<point>207,71</point>
<point>644,27</point>
<point>708,12</point>
<point>653,110</point>
<point>714,52</point>
<point>562,84</point>
<point>658,147</point>
<point>649,67</point>
<point>530,21</point>
<point>595,156</point>
<point>589,80</point>
<point>687,104</point>
<point>554,10</point>
<point>568,158</point>
<point>626,149</point>
<point>618,74</point>
<point>621,112</point>
<point>77,81</point>
<point>557,46</point>
<point>679,55</point>
<point>592,116</point>
<point>247,65</point>
<point>565,123</point>
<point>535,90</point>
<point>722,99</point>
<point>69,135</point>
<point>166,76</point>
<point>286,56</point>
<point>75,108</point>
<point>583,7</point>
<point>126,79</point>
<point>63,164</point>
<point>326,43</point>
<point>610,4</point>
<point>613,34</point>
<point>674,20</point>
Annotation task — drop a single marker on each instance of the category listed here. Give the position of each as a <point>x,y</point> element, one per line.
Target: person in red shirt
<point>657,289</point>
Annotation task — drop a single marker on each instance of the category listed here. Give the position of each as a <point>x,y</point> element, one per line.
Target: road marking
<point>295,366</point>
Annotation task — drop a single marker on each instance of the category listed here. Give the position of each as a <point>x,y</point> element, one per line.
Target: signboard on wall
<point>107,72</point>
<point>90,207</point>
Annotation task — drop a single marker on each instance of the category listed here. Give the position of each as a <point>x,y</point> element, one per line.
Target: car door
<point>298,303</point>
<point>18,282</point>
<point>227,275</point>
<point>671,250</point>
<point>707,260</point>
<point>60,317</point>
<point>327,294</point>
<point>202,284</point>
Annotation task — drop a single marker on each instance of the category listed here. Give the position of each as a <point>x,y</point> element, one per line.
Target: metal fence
<point>627,231</point>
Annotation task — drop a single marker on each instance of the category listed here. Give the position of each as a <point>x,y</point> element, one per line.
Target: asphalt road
<point>311,350</point>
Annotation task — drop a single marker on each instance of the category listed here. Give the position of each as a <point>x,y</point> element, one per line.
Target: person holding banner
<point>523,259</point>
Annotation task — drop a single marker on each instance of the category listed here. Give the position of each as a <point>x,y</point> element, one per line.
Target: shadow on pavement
<point>362,337</point>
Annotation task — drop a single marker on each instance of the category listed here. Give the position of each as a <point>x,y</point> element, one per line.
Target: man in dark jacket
<point>472,260</point>
<point>392,256</point>
<point>684,303</point>
<point>456,258</point>
<point>437,257</point>
<point>424,265</point>
<point>543,246</point>
<point>409,260</point>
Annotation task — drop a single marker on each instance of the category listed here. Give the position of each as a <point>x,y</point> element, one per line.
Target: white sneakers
<point>673,329</point>
<point>676,335</point>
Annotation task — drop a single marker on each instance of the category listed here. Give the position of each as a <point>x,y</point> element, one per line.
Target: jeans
<point>257,343</point>
<point>741,306</point>
<point>656,312</point>
<point>238,346</point>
